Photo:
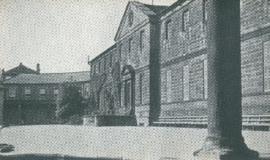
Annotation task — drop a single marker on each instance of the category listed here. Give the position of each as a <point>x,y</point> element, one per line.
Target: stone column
<point>1,105</point>
<point>224,140</point>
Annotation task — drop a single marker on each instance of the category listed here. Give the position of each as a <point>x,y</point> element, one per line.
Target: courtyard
<point>135,143</point>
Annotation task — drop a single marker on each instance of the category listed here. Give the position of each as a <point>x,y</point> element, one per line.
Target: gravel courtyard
<point>134,143</point>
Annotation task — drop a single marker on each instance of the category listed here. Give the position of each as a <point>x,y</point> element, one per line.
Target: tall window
<point>55,92</point>
<point>266,49</point>
<point>141,88</point>
<point>110,60</point>
<point>169,86</point>
<point>186,82</point>
<point>130,45</point>
<point>94,68</point>
<point>12,92</point>
<point>105,64</point>
<point>99,66</point>
<point>204,11</point>
<point>167,29</point>
<point>141,40</point>
<point>185,20</point>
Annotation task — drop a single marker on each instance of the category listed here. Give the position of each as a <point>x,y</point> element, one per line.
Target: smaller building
<point>32,98</point>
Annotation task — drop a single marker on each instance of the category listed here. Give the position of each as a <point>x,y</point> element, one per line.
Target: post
<point>224,140</point>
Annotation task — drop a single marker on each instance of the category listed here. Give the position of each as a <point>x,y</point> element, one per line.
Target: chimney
<point>2,75</point>
<point>38,68</point>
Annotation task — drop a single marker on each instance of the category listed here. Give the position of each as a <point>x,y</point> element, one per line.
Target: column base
<point>212,151</point>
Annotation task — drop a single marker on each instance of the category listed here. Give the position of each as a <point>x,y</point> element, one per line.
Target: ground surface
<point>119,142</point>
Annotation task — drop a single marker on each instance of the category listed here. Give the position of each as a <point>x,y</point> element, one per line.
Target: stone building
<point>162,57</point>
<point>33,98</point>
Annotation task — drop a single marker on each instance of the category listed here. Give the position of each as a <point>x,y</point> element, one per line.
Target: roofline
<point>118,29</point>
<point>45,83</point>
<point>102,53</point>
<point>173,6</point>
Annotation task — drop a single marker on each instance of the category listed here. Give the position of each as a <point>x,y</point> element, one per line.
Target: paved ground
<point>117,142</point>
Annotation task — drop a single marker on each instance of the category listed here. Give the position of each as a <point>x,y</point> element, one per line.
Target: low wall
<point>134,143</point>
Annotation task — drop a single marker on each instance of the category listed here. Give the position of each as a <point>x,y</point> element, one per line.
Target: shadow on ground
<point>50,157</point>
<point>61,157</point>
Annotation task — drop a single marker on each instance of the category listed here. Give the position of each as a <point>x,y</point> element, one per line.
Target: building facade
<point>162,57</point>
<point>33,98</point>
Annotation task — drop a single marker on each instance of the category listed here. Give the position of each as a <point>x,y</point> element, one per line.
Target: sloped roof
<point>149,10</point>
<point>20,69</point>
<point>49,78</point>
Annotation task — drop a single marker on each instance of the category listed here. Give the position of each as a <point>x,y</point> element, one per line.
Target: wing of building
<point>157,67</point>
<point>33,98</point>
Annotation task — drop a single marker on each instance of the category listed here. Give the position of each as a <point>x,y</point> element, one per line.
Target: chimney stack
<point>38,68</point>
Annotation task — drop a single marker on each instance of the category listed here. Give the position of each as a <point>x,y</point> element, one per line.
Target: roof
<point>20,69</point>
<point>104,52</point>
<point>171,7</point>
<point>49,78</point>
<point>149,10</point>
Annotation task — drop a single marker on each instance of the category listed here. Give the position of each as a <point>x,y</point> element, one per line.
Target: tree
<point>71,103</point>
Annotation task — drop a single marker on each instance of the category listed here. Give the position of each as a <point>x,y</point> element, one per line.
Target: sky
<point>58,34</point>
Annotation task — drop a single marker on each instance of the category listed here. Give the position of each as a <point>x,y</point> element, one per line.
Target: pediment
<point>134,15</point>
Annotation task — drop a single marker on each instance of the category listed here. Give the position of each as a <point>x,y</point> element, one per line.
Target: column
<point>224,140</point>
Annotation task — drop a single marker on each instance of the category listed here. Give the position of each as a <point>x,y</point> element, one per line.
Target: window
<point>141,40</point>
<point>204,11</point>
<point>55,92</point>
<point>42,91</point>
<point>169,86</point>
<point>186,82</point>
<point>130,18</point>
<point>266,54</point>
<point>110,61</point>
<point>129,45</point>
<point>167,29</point>
<point>185,20</point>
<point>205,79</point>
<point>99,66</point>
<point>141,88</point>
<point>94,66</point>
<point>105,64</point>
<point>12,92</point>
<point>27,91</point>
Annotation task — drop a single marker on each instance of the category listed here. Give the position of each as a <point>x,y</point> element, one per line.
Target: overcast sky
<point>58,34</point>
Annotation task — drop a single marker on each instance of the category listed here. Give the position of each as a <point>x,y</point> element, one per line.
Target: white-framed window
<point>185,20</point>
<point>266,57</point>
<point>42,91</point>
<point>55,91</point>
<point>27,91</point>
<point>12,92</point>
<point>186,82</point>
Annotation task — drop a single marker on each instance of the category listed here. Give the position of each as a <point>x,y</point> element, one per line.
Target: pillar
<point>224,140</point>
